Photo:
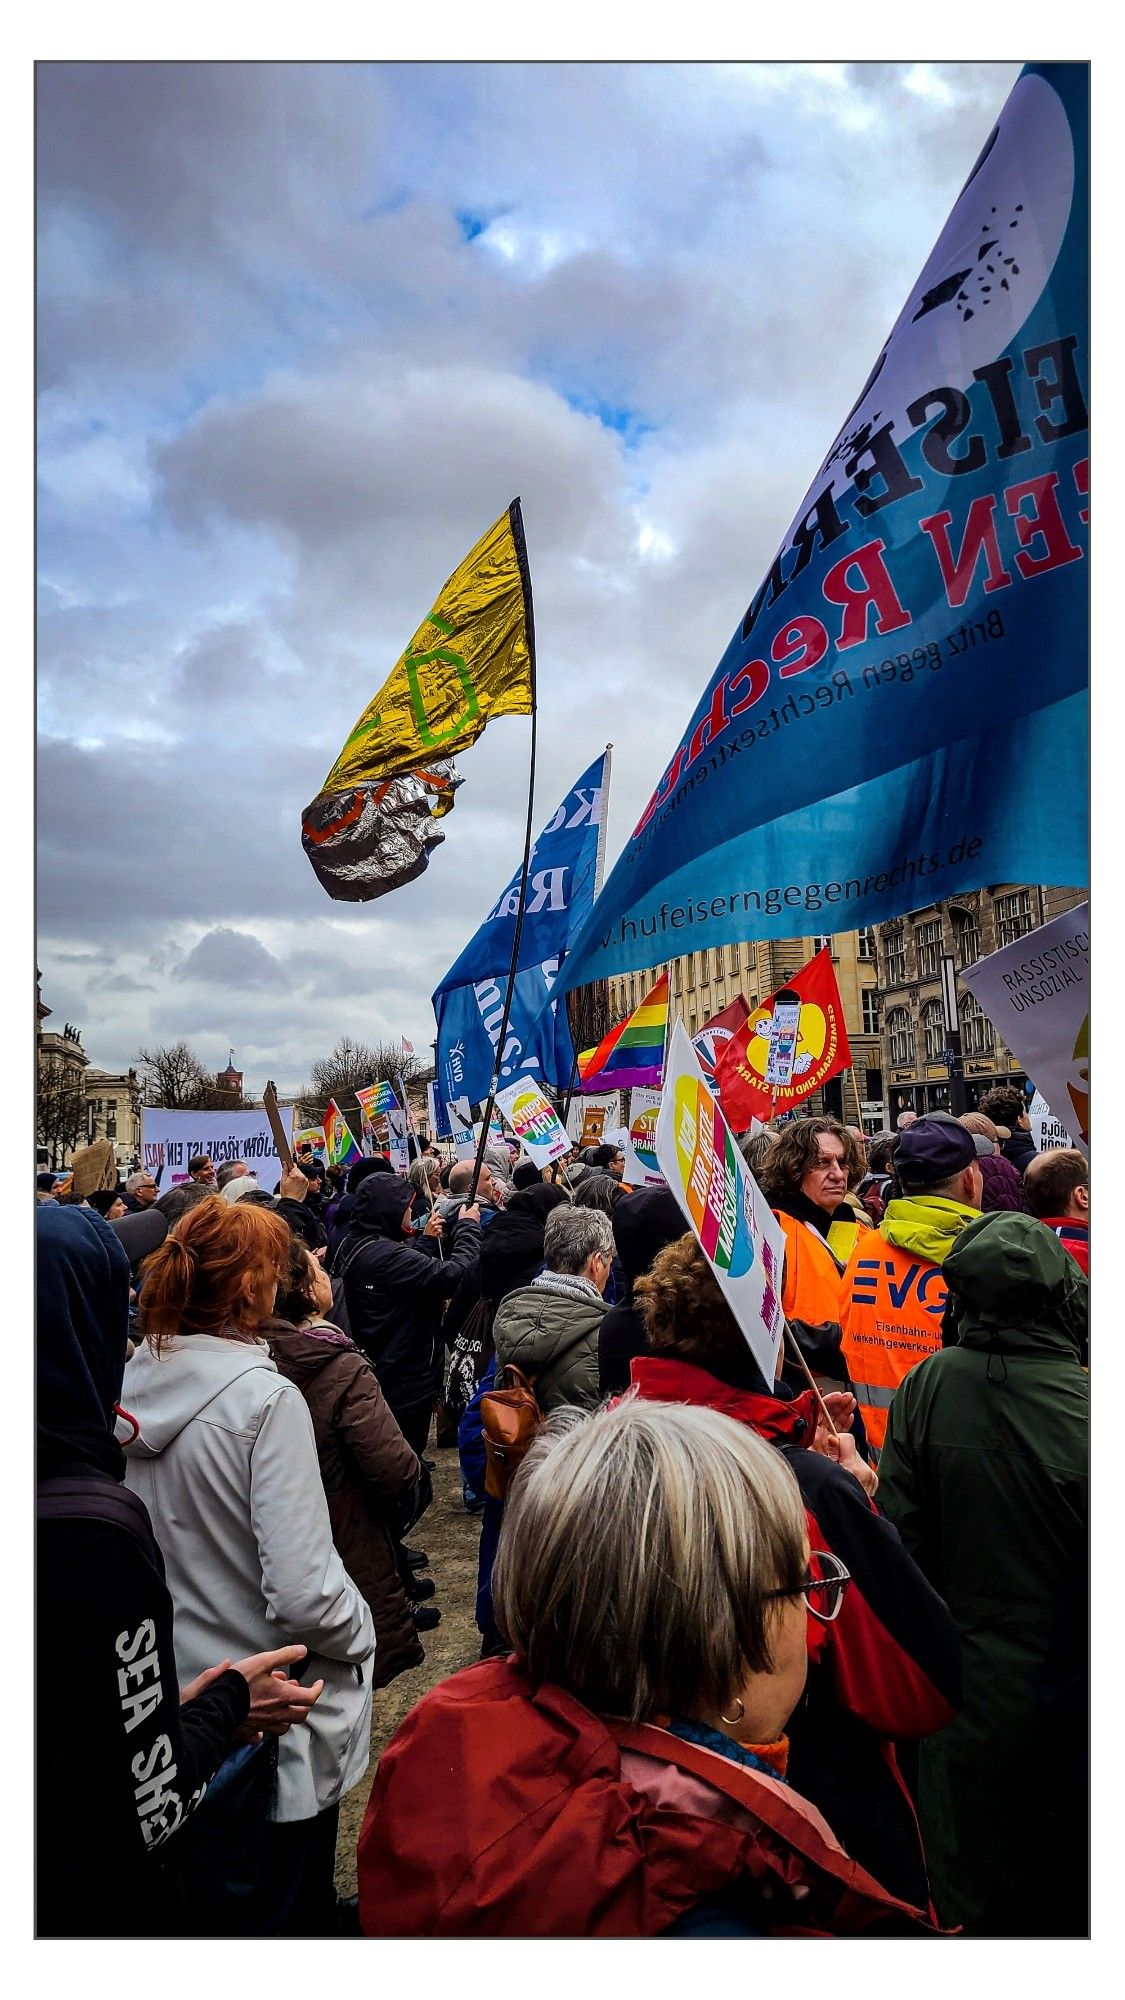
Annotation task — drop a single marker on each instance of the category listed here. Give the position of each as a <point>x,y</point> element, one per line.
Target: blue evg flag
<point>901,713</point>
<point>469,1002</point>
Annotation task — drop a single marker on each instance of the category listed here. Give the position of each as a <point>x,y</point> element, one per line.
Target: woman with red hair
<point>226,1462</point>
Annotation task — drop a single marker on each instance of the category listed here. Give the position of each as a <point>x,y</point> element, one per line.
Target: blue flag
<point>901,713</point>
<point>469,1002</point>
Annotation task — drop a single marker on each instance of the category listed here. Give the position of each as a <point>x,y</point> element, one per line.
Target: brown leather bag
<point>510,1417</point>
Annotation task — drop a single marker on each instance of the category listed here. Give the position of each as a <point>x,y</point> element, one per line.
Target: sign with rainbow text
<point>731,1219</point>
<point>642,1168</point>
<point>534,1122</point>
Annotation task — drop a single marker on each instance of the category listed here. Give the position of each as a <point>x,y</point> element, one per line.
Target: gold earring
<point>732,1719</point>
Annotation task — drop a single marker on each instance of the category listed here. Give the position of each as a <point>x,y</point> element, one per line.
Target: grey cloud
<point>232,959</point>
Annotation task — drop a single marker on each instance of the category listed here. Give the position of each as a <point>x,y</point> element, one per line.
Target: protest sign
<point>782,1052</point>
<point>309,1135</point>
<point>786,1048</point>
<point>460,1117</point>
<point>375,1099</point>
<point>923,619</point>
<point>1036,993</point>
<point>534,1121</point>
<point>169,1139</point>
<point>1048,1132</point>
<point>642,1169</point>
<point>739,1236</point>
<point>607,1110</point>
<point>398,1144</point>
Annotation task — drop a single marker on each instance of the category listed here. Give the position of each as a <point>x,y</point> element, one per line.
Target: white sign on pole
<point>638,1139</point>
<point>784,1030</point>
<point>607,1102</point>
<point>398,1145</point>
<point>1036,993</point>
<point>732,1221</point>
<point>1048,1132</point>
<point>534,1121</point>
<point>170,1138</point>
<point>461,1126</point>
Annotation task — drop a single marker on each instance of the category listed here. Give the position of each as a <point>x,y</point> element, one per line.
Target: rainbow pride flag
<point>341,1147</point>
<point>631,1056</point>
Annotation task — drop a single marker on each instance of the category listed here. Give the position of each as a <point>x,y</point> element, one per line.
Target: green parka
<point>984,1473</point>
<point>550,1329</point>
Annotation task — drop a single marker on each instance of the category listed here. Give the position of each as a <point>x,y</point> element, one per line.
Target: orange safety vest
<point>891,1320</point>
<point>813,1286</point>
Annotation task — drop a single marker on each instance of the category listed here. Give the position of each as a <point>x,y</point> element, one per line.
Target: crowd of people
<point>805,1656</point>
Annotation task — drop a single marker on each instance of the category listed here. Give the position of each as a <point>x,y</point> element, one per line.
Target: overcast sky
<point>303,333</point>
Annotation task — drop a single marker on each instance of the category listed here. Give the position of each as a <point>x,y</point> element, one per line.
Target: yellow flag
<point>468,661</point>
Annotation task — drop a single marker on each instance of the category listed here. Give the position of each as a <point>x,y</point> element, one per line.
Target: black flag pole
<point>599,869</point>
<point>515,515</point>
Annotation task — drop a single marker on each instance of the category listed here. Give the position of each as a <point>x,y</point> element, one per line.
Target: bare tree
<point>350,1067</point>
<point>172,1076</point>
<point>60,1106</point>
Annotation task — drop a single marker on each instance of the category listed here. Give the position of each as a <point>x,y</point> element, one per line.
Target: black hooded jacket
<point>643,1223</point>
<point>128,1760</point>
<point>395,1293</point>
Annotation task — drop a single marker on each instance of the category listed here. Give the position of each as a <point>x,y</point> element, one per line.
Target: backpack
<point>509,1419</point>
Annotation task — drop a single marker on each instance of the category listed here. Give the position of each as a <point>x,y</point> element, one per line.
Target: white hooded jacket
<point>226,1464</point>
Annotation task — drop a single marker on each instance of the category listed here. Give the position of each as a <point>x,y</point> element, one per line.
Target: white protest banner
<point>534,1121</point>
<point>170,1138</point>
<point>1048,1132</point>
<point>582,1115</point>
<point>398,1145</point>
<point>461,1128</point>
<point>1036,993</point>
<point>732,1221</point>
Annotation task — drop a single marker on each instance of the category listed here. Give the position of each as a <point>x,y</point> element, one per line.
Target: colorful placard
<point>731,1219</point>
<point>534,1121</point>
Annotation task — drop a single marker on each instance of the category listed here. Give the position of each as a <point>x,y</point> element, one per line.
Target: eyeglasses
<point>822,1586</point>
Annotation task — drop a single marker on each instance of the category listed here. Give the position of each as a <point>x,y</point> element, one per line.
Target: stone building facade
<point>910,951</point>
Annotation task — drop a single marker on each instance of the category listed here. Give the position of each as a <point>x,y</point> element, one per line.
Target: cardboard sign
<point>534,1121</point>
<point>1036,993</point>
<point>1048,1132</point>
<point>608,1103</point>
<point>169,1138</point>
<point>398,1144</point>
<point>593,1125</point>
<point>731,1219</point>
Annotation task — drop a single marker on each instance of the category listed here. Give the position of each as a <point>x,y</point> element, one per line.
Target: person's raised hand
<point>293,1185</point>
<point>843,1450</point>
<point>434,1225</point>
<point>276,1702</point>
<point>470,1213</point>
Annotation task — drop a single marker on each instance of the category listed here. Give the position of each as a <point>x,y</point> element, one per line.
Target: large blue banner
<point>901,713</point>
<point>469,1002</point>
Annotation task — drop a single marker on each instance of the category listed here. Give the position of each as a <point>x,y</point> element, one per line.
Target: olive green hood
<point>1011,1282</point>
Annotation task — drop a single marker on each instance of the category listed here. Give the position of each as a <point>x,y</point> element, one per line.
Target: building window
<point>900,1027</point>
<point>933,1029</point>
<point>866,946</point>
<point>966,937</point>
<point>704,969</point>
<point>873,1085</point>
<point>894,958</point>
<point>732,958</point>
<point>977,1038</point>
<point>691,975</point>
<point>1013,916</point>
<point>870,1000</point>
<point>717,961</point>
<point>678,978</point>
<point>927,944</point>
<point>821,944</point>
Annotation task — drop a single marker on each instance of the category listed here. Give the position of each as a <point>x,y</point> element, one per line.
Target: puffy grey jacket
<point>550,1329</point>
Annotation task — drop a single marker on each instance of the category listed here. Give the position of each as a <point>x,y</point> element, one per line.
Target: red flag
<point>710,1043</point>
<point>822,1047</point>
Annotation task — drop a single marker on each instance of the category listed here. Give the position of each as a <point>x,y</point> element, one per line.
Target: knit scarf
<point>771,1759</point>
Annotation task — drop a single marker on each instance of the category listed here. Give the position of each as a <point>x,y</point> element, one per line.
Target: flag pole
<point>599,867</point>
<point>515,516</point>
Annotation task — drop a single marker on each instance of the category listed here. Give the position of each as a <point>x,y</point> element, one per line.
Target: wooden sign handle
<point>269,1104</point>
